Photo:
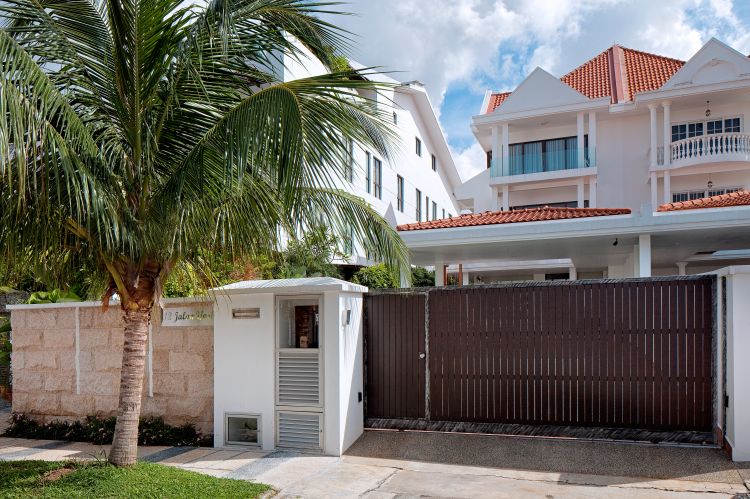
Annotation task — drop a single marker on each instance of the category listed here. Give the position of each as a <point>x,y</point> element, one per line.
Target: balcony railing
<point>551,161</point>
<point>708,148</point>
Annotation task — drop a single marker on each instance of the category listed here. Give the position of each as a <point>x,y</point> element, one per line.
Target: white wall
<point>738,368</point>
<point>244,364</point>
<point>351,371</point>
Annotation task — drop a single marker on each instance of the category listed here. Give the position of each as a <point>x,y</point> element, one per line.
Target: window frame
<point>434,163</point>
<point>400,193</point>
<point>703,125</point>
<point>368,173</point>
<point>418,146</point>
<point>377,180</point>
<point>418,211</point>
<point>434,210</point>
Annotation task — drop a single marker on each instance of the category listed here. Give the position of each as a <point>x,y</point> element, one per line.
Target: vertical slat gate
<point>630,353</point>
<point>394,331</point>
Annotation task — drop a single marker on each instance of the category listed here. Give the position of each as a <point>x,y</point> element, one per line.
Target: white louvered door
<point>298,377</point>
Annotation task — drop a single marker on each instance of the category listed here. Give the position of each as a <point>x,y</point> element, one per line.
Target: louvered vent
<point>299,378</point>
<point>299,430</point>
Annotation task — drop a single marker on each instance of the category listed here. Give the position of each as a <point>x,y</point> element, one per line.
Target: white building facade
<point>417,182</point>
<point>623,167</point>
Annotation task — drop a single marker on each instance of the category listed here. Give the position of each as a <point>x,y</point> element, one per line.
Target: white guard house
<point>288,364</point>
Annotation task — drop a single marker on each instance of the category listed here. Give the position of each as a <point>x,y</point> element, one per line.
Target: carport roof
<point>517,216</point>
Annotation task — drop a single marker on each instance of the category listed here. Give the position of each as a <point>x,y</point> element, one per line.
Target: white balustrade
<point>715,147</point>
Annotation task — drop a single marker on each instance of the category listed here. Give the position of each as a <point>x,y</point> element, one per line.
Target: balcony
<point>546,162</point>
<point>709,149</point>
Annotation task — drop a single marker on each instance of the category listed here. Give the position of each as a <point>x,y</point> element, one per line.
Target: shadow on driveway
<point>613,459</point>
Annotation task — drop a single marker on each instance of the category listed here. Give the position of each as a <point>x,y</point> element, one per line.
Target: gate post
<point>427,355</point>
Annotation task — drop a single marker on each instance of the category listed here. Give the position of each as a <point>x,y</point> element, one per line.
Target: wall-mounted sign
<point>191,315</point>
<point>245,313</point>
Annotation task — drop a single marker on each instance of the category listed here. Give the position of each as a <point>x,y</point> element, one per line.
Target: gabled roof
<point>618,73</point>
<point>518,216</point>
<point>739,198</point>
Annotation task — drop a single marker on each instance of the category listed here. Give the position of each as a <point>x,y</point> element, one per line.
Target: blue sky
<point>460,48</point>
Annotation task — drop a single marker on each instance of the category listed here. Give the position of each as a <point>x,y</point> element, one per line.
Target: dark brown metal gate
<point>630,353</point>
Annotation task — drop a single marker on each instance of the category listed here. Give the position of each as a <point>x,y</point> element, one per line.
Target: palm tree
<point>143,133</point>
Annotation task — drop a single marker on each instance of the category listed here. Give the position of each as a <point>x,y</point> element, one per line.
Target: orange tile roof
<point>648,71</point>
<point>495,100</point>
<point>508,217</point>
<point>618,73</point>
<point>739,198</point>
<point>592,78</point>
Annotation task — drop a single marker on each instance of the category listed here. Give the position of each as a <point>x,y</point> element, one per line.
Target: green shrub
<point>421,277</point>
<point>54,296</point>
<point>376,277</point>
<point>98,430</point>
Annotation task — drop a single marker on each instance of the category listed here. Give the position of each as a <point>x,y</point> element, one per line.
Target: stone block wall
<point>55,378</point>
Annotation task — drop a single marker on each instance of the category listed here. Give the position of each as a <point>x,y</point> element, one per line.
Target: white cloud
<point>470,161</point>
<point>481,43</point>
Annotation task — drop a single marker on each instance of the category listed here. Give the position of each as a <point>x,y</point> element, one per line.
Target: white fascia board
<point>113,303</point>
<point>652,96</point>
<point>498,117</point>
<point>612,225</point>
<point>485,101</point>
<point>438,137</point>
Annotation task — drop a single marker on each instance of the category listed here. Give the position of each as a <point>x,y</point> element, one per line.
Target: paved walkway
<point>401,464</point>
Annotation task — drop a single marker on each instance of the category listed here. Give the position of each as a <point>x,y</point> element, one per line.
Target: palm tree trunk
<point>124,450</point>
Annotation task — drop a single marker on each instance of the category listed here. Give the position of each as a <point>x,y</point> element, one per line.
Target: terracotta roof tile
<point>495,100</point>
<point>648,71</point>
<point>599,77</point>
<point>517,216</point>
<point>739,198</point>
<point>592,78</point>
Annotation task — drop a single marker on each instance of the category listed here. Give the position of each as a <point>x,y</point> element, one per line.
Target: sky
<point>461,48</point>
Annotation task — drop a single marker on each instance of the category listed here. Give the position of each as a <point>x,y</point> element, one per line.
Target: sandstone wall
<point>44,366</point>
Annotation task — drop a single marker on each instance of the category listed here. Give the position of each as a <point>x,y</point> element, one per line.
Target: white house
<point>623,167</point>
<point>417,183</point>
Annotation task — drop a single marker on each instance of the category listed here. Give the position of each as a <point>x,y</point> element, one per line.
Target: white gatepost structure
<point>288,364</point>
<point>737,403</point>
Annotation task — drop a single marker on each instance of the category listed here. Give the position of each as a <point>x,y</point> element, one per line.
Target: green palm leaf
<point>142,134</point>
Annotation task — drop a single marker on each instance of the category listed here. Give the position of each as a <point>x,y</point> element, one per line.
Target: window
<point>545,155</point>
<point>443,212</point>
<point>418,214</point>
<point>377,181</point>
<point>349,241</point>
<point>679,197</point>
<point>395,118</point>
<point>563,204</point>
<point>434,163</point>
<point>349,166</point>
<point>418,146</point>
<point>682,131</point>
<point>400,193</point>
<point>368,173</point>
<point>427,208</point>
<point>434,210</point>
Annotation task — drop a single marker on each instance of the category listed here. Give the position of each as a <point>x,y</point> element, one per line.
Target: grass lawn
<point>58,479</point>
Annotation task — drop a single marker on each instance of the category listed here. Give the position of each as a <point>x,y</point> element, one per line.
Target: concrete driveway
<point>384,464</point>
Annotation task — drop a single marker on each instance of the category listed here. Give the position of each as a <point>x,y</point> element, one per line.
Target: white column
<point>572,273</point>
<point>654,145</point>
<point>681,268</point>
<point>496,203</point>
<point>592,193</point>
<point>667,132</point>
<point>667,188</point>
<point>737,366</point>
<point>506,150</point>
<point>592,139</point>
<point>495,166</point>
<point>439,276</point>
<point>654,191</point>
<point>579,123</point>
<point>465,280</point>
<point>581,193</point>
<point>644,255</point>
<point>506,197</point>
